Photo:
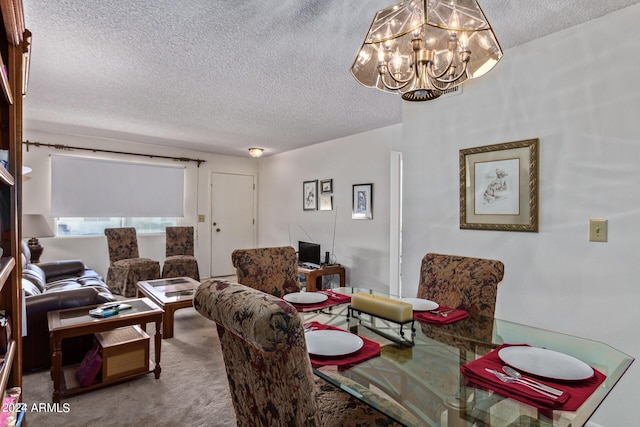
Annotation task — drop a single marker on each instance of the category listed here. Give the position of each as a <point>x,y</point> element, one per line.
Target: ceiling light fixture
<point>256,152</point>
<point>421,48</point>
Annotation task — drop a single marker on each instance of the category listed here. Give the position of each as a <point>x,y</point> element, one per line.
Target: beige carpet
<point>192,389</point>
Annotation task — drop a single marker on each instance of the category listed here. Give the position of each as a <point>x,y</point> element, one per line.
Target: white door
<point>232,219</point>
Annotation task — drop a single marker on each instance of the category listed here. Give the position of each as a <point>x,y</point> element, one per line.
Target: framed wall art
<point>362,201</point>
<point>499,186</point>
<point>326,202</point>
<point>326,186</point>
<point>310,195</point>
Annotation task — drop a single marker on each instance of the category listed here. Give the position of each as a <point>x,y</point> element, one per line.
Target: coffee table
<point>171,295</point>
<point>76,321</point>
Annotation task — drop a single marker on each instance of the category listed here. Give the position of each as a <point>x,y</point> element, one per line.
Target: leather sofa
<point>56,286</point>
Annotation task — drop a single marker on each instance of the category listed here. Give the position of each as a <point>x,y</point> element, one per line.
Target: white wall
<point>36,196</point>
<point>574,90</point>
<point>362,246</point>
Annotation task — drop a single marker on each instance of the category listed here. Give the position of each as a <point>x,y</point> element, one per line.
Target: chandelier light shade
<point>256,152</point>
<point>421,48</point>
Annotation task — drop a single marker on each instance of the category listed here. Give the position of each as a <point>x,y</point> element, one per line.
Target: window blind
<point>84,187</point>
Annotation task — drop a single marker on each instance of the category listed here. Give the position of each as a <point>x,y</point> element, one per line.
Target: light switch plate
<point>598,230</point>
<point>200,218</point>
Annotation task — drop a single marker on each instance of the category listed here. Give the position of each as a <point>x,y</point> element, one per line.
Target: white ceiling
<point>222,76</point>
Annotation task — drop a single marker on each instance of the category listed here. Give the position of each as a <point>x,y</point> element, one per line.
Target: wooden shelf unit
<point>12,49</point>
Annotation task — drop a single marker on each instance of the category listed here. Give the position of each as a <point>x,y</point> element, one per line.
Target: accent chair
<point>179,261</point>
<point>126,268</point>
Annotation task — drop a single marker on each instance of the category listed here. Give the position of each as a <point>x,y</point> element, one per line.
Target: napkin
<point>337,297</point>
<point>575,391</point>
<point>334,298</point>
<point>369,350</point>
<point>429,317</point>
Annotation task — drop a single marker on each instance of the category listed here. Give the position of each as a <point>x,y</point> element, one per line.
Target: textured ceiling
<point>222,76</point>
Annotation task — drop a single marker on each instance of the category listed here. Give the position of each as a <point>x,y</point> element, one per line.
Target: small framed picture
<point>362,201</point>
<point>310,195</point>
<point>326,202</point>
<point>326,186</point>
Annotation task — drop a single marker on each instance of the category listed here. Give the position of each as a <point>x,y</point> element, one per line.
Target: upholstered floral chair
<point>179,261</point>
<point>272,270</point>
<point>471,284</point>
<point>126,268</point>
<point>268,367</point>
<point>459,281</point>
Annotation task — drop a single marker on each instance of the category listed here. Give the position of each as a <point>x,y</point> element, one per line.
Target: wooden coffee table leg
<point>158,344</point>
<point>167,324</point>
<point>56,366</point>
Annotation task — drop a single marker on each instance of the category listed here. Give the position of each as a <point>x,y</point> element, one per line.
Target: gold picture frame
<point>499,186</point>
<point>326,202</point>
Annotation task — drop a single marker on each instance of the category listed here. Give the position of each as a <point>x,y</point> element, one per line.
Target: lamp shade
<point>35,225</point>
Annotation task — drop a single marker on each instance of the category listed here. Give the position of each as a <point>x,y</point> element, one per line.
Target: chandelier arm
<point>453,79</point>
<point>432,65</point>
<point>401,82</point>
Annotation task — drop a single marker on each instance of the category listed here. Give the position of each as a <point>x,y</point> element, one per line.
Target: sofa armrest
<point>36,351</point>
<point>68,267</point>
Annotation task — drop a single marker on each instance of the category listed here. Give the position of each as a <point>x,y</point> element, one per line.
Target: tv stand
<point>309,265</point>
<point>315,275</point>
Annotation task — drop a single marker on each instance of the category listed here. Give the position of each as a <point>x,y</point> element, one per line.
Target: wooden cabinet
<point>13,52</point>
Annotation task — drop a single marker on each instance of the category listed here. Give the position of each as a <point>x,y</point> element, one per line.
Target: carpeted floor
<point>191,391</point>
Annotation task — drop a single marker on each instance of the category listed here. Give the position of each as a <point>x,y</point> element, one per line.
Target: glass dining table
<point>417,380</point>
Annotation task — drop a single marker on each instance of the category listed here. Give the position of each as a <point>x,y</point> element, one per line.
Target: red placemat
<point>369,349</point>
<point>334,298</point>
<point>440,319</point>
<point>576,391</point>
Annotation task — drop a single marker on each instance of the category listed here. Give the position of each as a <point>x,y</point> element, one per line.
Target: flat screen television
<point>309,252</point>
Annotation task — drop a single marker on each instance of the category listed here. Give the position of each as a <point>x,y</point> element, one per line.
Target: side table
<point>315,275</point>
<point>73,322</point>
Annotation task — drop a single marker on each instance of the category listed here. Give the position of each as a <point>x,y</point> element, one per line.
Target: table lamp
<point>34,226</point>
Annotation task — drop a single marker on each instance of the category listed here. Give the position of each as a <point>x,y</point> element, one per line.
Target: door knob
<point>215,223</point>
<point>218,230</point>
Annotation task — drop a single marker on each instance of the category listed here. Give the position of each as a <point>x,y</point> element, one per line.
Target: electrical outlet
<point>597,230</point>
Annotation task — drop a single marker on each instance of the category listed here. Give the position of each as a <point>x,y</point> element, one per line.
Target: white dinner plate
<point>545,363</point>
<point>330,342</point>
<point>305,297</point>
<point>420,304</point>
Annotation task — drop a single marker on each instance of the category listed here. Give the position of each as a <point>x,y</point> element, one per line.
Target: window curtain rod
<point>98,150</point>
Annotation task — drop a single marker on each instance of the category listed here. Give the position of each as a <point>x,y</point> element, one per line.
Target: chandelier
<point>421,48</point>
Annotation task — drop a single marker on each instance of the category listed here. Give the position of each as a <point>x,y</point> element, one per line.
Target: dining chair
<point>471,284</point>
<point>268,368</point>
<point>273,270</point>
<point>179,254</point>
<point>126,268</point>
<point>462,282</point>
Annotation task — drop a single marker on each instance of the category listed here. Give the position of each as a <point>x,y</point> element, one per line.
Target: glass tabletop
<point>72,317</point>
<point>417,379</point>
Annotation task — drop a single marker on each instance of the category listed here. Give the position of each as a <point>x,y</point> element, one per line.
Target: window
<point>76,226</point>
<point>96,188</point>
<point>89,195</point>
